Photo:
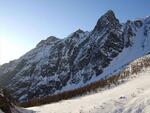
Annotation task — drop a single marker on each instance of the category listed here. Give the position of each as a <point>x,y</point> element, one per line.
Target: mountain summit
<point>107,20</point>
<point>58,65</point>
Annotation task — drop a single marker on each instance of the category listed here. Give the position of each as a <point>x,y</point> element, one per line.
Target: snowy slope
<point>130,97</point>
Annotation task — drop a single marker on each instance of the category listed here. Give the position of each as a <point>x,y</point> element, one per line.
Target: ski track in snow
<point>130,97</point>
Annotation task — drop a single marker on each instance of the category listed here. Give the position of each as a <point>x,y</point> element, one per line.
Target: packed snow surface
<point>130,97</point>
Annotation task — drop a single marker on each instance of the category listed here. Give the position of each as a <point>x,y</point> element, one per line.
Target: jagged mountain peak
<point>109,13</point>
<point>108,19</point>
<point>75,35</point>
<point>79,31</point>
<point>52,39</point>
<point>47,41</point>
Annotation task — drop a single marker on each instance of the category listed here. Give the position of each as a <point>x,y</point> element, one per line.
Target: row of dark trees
<point>133,68</point>
<point>5,101</point>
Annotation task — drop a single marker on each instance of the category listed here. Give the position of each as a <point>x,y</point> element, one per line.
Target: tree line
<point>133,68</point>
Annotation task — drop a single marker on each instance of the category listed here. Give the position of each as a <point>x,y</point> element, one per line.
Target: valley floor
<point>130,97</point>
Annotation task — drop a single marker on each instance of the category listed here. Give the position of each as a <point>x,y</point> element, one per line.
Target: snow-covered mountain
<point>58,65</point>
<point>133,96</point>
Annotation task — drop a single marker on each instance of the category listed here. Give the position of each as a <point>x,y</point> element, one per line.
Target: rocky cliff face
<point>56,65</point>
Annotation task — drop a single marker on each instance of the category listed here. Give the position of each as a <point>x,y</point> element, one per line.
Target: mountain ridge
<point>57,65</point>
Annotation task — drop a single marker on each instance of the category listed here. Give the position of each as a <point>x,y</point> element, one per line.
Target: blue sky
<point>23,23</point>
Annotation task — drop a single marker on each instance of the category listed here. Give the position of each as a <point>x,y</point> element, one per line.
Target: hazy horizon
<point>24,23</point>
